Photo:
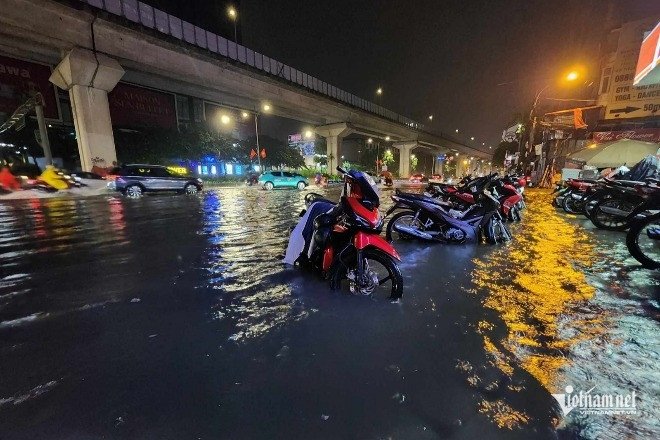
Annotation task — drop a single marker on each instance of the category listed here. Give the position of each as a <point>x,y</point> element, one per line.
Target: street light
<point>379,91</point>
<point>233,16</point>
<point>387,138</point>
<point>308,134</point>
<point>245,115</point>
<point>472,138</point>
<point>457,130</point>
<point>370,140</point>
<point>572,75</point>
<point>266,107</point>
<point>430,117</point>
<point>225,119</point>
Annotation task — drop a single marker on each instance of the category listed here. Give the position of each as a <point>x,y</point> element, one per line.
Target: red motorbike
<point>508,190</point>
<point>343,243</point>
<point>509,197</point>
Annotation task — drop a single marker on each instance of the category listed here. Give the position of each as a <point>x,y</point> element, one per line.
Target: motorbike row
<point>342,241</point>
<point>618,205</point>
<point>50,180</point>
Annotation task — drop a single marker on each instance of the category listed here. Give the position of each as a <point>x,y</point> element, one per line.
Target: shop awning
<point>614,154</point>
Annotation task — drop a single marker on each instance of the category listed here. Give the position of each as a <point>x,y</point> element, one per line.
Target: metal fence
<point>153,18</point>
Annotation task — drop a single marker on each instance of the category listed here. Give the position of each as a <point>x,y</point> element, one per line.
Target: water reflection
<point>247,232</point>
<point>549,319</point>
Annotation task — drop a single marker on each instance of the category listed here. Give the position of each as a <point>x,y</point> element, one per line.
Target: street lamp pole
<point>233,14</point>
<point>256,131</point>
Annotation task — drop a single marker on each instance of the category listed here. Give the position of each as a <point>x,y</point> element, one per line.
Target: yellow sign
<point>178,170</point>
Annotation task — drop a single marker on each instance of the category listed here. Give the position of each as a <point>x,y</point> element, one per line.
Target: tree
<point>158,145</point>
<point>413,162</point>
<point>278,153</point>
<point>388,157</point>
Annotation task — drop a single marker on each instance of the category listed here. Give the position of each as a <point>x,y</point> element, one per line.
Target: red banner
<point>19,80</point>
<point>642,134</point>
<point>133,106</point>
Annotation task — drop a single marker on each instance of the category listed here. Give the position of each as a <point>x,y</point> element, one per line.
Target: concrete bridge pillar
<point>404,156</point>
<point>333,134</point>
<point>89,77</point>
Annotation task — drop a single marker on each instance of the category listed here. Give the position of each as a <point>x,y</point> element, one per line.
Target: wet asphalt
<point>172,317</point>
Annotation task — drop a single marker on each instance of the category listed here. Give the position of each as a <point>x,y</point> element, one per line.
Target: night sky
<point>444,58</point>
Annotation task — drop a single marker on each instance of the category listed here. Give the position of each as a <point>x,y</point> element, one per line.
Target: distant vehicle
<point>417,178</point>
<point>136,179</point>
<point>435,178</point>
<point>252,179</point>
<point>282,179</point>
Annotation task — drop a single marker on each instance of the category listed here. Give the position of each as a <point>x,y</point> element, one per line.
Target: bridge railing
<point>148,16</point>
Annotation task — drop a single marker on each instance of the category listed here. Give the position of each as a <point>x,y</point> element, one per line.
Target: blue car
<point>282,179</point>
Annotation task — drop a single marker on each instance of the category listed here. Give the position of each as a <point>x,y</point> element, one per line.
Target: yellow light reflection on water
<point>532,283</point>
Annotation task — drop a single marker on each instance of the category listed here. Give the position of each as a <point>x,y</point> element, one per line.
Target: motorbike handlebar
<point>341,170</point>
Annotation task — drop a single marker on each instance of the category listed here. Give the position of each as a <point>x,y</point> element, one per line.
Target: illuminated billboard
<point>648,63</point>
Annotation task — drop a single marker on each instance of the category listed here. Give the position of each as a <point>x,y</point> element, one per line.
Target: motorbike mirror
<point>341,170</point>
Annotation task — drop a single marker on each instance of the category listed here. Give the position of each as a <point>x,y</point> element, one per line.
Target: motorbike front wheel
<point>496,231</point>
<point>571,205</point>
<point>643,241</point>
<point>381,277</point>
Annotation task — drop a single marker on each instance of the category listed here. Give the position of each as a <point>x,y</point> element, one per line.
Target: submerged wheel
<point>268,186</point>
<point>403,218</point>
<point>382,277</point>
<point>497,231</point>
<point>133,191</point>
<point>603,220</point>
<point>514,214</point>
<point>571,205</point>
<point>643,241</point>
<point>301,186</point>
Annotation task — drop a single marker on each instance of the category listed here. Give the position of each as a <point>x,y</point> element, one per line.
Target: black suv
<point>135,179</point>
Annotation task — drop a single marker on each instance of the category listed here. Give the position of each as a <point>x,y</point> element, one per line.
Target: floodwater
<point>171,317</point>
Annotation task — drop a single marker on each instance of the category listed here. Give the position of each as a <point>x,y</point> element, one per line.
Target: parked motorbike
<point>620,203</point>
<point>342,241</point>
<point>431,219</point>
<point>643,239</point>
<point>508,190</point>
<point>509,197</point>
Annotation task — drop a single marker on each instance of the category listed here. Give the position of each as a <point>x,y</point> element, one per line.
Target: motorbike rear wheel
<point>406,218</point>
<point>381,279</point>
<point>603,220</point>
<point>641,244</point>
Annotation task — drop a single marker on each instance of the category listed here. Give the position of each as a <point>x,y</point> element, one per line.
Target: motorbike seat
<point>422,197</point>
<point>627,183</point>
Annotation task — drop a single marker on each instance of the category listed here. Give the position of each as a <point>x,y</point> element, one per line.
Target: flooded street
<point>172,317</point>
